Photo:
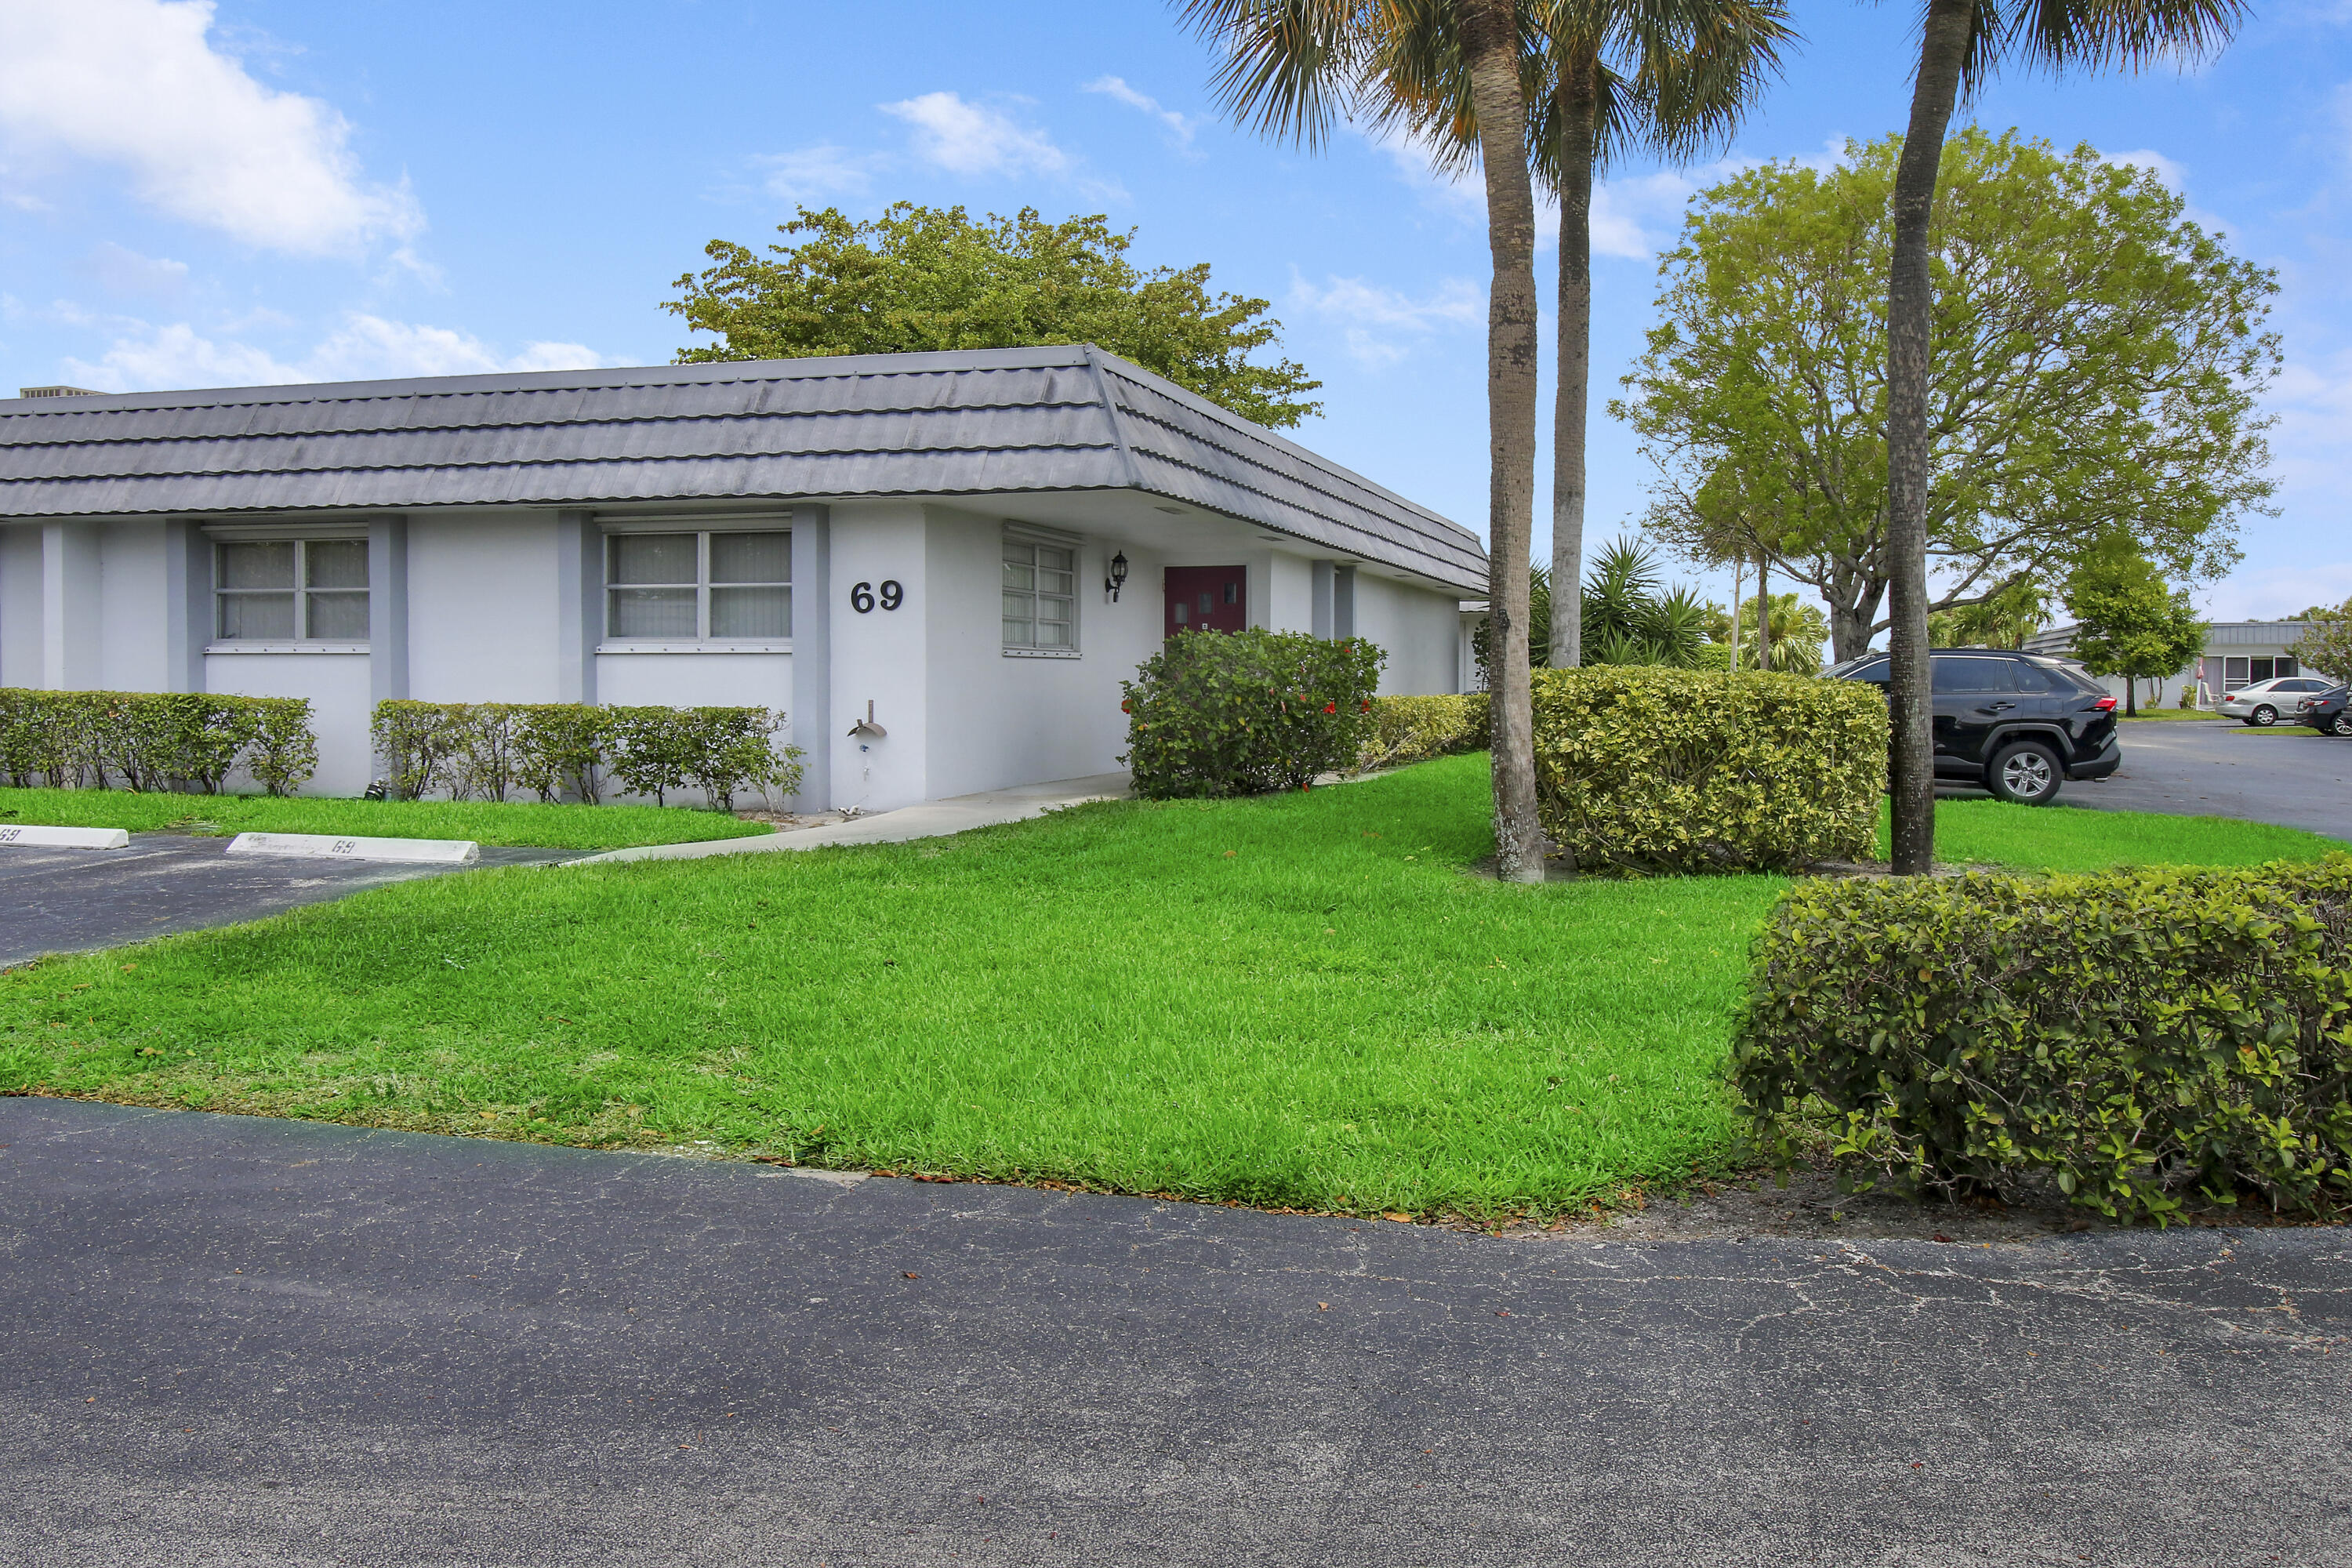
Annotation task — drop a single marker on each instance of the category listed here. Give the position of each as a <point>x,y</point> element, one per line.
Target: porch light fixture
<point>1118,578</point>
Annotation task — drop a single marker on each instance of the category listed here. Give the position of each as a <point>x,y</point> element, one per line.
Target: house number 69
<point>861,597</point>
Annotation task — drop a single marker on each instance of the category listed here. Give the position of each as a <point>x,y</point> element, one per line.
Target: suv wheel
<point>2343,725</point>
<point>2027,773</point>
<point>2264,715</point>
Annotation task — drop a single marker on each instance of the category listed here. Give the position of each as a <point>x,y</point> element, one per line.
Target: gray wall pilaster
<point>811,715</point>
<point>387,608</point>
<point>187,604</point>
<point>1319,615</point>
<point>579,605</point>
<point>69,606</point>
<point>1343,601</point>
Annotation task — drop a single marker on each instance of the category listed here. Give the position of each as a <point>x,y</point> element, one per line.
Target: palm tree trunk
<point>1910,305</point>
<point>1490,35</point>
<point>1571,398</point>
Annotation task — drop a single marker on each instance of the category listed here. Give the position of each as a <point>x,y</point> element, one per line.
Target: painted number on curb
<point>10,834</point>
<point>861,597</point>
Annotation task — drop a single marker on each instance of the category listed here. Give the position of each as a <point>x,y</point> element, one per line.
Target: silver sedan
<point>2262,702</point>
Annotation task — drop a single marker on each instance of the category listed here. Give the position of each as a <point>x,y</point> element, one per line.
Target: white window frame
<point>301,641</point>
<point>701,528</point>
<point>1050,539</point>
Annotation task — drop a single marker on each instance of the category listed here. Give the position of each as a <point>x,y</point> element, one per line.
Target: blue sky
<point>196,194</point>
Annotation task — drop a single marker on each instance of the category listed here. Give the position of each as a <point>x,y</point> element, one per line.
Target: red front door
<point>1206,599</point>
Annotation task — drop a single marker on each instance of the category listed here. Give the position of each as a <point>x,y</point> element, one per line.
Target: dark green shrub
<point>1647,769</point>
<point>1220,713</point>
<point>482,750</point>
<point>2140,1035</point>
<point>1415,729</point>
<point>416,742</point>
<point>152,739</point>
<point>732,748</point>
<point>647,749</point>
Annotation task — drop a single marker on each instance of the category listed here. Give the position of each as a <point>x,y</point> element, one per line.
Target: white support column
<point>579,605</point>
<point>387,608</point>
<point>811,715</point>
<point>187,604</point>
<point>69,606</point>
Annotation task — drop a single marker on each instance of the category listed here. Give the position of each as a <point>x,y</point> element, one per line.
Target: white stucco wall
<point>1419,630</point>
<point>337,686</point>
<point>20,606</point>
<point>133,651</point>
<point>482,607</point>
<point>695,679</point>
<point>882,657</point>
<point>1000,719</point>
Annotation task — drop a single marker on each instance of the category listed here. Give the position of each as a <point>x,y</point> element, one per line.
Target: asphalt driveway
<point>2219,768</point>
<point>233,1340</point>
<point>75,901</point>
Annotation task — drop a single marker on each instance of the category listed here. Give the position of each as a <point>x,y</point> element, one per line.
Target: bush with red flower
<point>1223,713</point>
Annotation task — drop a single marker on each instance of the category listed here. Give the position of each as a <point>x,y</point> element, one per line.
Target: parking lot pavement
<point>238,1340</point>
<point>72,900</point>
<point>2223,769</point>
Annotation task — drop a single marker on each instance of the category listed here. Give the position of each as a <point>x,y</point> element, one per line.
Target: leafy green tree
<point>921,277</point>
<point>2096,362</point>
<point>1962,43</point>
<point>2131,622</point>
<point>1295,66</point>
<point>2004,619</point>
<point>1794,633</point>
<point>2326,643</point>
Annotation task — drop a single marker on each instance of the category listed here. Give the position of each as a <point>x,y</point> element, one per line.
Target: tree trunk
<point>1738,576</point>
<point>1910,305</point>
<point>2131,696</point>
<point>1490,35</point>
<point>1763,611</point>
<point>1571,398</point>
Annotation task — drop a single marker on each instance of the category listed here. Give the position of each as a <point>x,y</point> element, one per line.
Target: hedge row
<point>2140,1036</point>
<point>1225,713</point>
<point>1647,769</point>
<point>154,740</point>
<point>481,751</point>
<point>1415,729</point>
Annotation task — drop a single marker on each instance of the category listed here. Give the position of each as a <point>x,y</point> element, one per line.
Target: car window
<point>2311,685</point>
<point>1972,675</point>
<point>1869,669</point>
<point>2033,677</point>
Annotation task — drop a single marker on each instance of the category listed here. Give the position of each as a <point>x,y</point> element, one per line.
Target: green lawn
<point>548,827</point>
<point>2063,838</point>
<point>1299,1000</point>
<point>2171,715</point>
<point>2303,730</point>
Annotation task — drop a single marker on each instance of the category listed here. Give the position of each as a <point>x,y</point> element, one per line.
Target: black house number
<point>861,597</point>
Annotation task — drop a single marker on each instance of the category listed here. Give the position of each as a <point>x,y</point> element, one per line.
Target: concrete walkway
<point>232,1341</point>
<point>932,819</point>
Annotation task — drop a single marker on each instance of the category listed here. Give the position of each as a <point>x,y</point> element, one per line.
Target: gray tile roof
<point>980,422</point>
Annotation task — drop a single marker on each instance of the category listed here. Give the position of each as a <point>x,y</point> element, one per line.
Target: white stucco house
<point>2237,654</point>
<point>934,535</point>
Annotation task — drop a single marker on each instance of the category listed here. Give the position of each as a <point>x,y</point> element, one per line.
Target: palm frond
<point>1294,68</point>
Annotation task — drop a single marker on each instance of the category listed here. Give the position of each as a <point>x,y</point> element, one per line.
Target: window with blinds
<point>702,587</point>
<point>1041,597</point>
<point>291,590</point>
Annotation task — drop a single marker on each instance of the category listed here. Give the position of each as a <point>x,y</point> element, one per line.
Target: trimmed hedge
<point>1415,729</point>
<point>1645,769</point>
<point>2138,1035</point>
<point>480,750</point>
<point>154,741</point>
<point>1224,713</point>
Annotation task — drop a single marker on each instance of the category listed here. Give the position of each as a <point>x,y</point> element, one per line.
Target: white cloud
<point>1630,217</point>
<point>143,358</point>
<point>137,84</point>
<point>1377,323</point>
<point>1179,126</point>
<point>814,174</point>
<point>122,270</point>
<point>2167,170</point>
<point>972,139</point>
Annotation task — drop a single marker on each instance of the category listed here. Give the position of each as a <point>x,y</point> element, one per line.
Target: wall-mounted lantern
<point>1118,578</point>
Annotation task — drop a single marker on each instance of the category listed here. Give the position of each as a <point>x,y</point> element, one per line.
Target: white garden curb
<point>328,847</point>
<point>25,836</point>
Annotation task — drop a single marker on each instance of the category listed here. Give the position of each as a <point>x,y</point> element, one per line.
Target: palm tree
<point>1294,67</point>
<point>1962,43</point>
<point>1606,79</point>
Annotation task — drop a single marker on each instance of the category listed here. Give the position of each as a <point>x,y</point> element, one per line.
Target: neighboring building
<point>2237,653</point>
<point>928,534</point>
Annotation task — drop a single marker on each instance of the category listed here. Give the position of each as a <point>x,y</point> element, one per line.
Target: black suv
<point>2013,723</point>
